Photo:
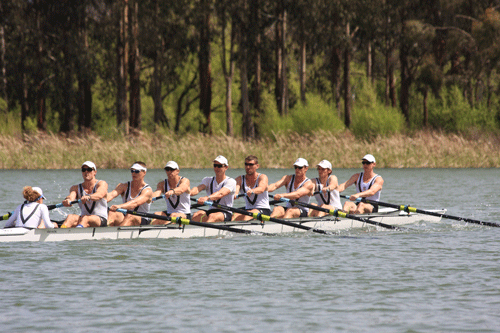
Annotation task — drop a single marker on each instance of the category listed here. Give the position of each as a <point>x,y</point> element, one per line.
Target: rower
<point>369,186</point>
<point>93,205</point>
<point>176,191</point>
<point>136,195</point>
<point>220,189</point>
<point>33,213</point>
<point>299,188</point>
<point>254,186</point>
<point>325,189</point>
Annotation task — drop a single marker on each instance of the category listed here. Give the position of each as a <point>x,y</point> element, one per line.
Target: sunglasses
<point>366,163</point>
<point>135,171</point>
<point>249,164</point>
<point>297,167</point>
<point>169,169</point>
<point>87,169</point>
<point>218,166</point>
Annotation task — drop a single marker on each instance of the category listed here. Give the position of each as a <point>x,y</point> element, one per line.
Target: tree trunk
<point>426,110</point>
<point>122,115</point>
<point>134,67</point>
<point>41,111</point>
<point>335,78</point>
<point>228,72</point>
<point>25,108</point>
<point>281,82</point>
<point>302,62</point>
<point>84,86</point>
<point>159,117</point>
<point>369,61</point>
<point>3,67</point>
<point>204,66</point>
<point>257,68</point>
<point>347,84</point>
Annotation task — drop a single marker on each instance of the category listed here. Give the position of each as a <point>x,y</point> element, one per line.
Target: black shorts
<point>104,221</point>
<point>145,221</point>
<point>188,216</point>
<point>263,211</point>
<point>227,215</point>
<point>303,211</point>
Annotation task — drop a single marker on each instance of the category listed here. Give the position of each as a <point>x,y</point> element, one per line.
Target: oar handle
<point>59,205</point>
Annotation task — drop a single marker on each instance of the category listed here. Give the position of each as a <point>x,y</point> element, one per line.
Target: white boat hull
<point>328,223</point>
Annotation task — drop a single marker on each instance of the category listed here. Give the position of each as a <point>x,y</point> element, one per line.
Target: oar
<point>50,207</point>
<point>262,217</point>
<point>187,221</point>
<point>409,209</point>
<point>338,213</point>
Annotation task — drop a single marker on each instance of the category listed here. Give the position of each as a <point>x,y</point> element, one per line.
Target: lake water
<point>433,278</point>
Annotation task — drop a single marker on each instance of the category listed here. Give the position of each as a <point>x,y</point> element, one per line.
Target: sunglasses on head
<point>169,169</point>
<point>366,163</point>
<point>218,166</point>
<point>249,164</point>
<point>84,169</point>
<point>135,171</point>
<point>299,167</point>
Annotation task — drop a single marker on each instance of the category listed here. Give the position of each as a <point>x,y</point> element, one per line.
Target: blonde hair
<point>30,194</point>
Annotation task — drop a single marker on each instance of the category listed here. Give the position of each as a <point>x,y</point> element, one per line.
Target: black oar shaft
<point>262,217</point>
<point>338,213</point>
<point>408,209</point>
<point>186,221</point>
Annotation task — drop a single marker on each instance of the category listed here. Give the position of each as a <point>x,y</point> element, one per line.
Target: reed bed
<point>420,150</point>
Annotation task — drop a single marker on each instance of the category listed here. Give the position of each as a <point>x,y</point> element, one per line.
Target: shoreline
<point>423,149</point>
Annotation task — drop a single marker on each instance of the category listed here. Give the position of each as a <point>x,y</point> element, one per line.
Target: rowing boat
<point>327,223</point>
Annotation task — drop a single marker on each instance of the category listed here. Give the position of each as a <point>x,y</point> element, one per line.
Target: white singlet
<point>127,196</point>
<point>332,197</point>
<point>212,186</point>
<point>362,186</point>
<point>305,198</point>
<point>254,201</point>
<point>177,203</point>
<point>99,207</point>
<point>29,215</point>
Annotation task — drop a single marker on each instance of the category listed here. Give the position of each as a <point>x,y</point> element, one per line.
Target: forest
<point>249,68</point>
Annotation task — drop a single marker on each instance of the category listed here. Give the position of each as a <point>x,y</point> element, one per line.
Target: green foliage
<point>371,117</point>
<point>453,113</point>
<point>315,115</point>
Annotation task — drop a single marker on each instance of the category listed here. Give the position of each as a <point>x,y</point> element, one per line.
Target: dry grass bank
<point>420,150</point>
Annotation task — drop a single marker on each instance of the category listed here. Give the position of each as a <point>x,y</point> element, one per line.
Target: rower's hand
<point>325,190</point>
<point>278,197</point>
<point>66,203</point>
<point>202,200</point>
<point>113,208</point>
<point>85,198</point>
<point>354,197</point>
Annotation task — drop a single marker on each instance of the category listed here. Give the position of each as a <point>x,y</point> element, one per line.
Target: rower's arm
<point>144,197</point>
<point>197,189</point>
<point>333,184</point>
<point>348,183</point>
<point>71,196</point>
<point>101,191</point>
<point>263,184</point>
<point>159,189</point>
<point>306,189</point>
<point>119,189</point>
<point>274,186</point>
<point>238,185</point>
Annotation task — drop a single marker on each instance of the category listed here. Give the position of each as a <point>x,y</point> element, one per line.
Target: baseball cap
<point>171,164</point>
<point>325,164</point>
<point>301,162</point>
<point>369,158</point>
<point>222,160</point>
<point>39,191</point>
<point>90,165</point>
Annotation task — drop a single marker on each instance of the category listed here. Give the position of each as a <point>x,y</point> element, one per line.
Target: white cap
<point>137,166</point>
<point>369,158</point>
<point>89,164</point>
<point>325,164</point>
<point>222,160</point>
<point>171,164</point>
<point>301,162</point>
<point>39,191</point>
